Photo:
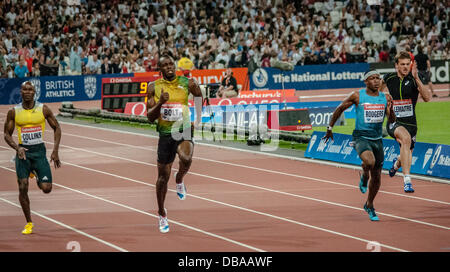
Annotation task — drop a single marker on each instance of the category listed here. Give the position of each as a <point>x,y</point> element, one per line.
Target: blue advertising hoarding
<point>427,159</point>
<point>310,77</point>
<point>319,112</point>
<point>55,88</point>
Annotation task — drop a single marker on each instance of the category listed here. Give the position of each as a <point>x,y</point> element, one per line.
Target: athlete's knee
<point>163,178</point>
<point>46,187</point>
<point>368,165</point>
<point>376,174</point>
<point>185,159</point>
<point>403,137</point>
<point>23,186</point>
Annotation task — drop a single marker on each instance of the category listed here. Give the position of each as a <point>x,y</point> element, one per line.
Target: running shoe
<point>362,184</point>
<point>408,188</point>
<point>181,189</point>
<point>163,223</point>
<point>371,211</point>
<point>392,171</point>
<point>28,228</point>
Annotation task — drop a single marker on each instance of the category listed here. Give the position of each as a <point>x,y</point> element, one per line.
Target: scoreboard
<point>290,120</point>
<point>118,91</point>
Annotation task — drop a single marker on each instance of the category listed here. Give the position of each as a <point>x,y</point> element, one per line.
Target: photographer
<point>228,88</point>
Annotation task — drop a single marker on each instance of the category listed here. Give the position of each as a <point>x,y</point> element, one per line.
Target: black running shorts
<point>167,148</point>
<point>36,161</point>
<point>391,127</point>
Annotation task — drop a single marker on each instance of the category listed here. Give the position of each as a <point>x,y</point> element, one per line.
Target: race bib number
<point>171,112</point>
<point>373,113</point>
<point>403,108</point>
<point>31,135</point>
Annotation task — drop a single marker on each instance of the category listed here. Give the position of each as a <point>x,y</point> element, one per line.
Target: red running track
<point>104,200</point>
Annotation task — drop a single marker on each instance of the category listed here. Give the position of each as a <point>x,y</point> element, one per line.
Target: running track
<point>103,199</point>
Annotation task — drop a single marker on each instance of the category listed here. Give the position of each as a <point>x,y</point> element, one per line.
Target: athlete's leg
<point>404,139</point>
<point>374,186</point>
<point>368,162</point>
<point>23,198</point>
<point>161,185</point>
<point>185,151</point>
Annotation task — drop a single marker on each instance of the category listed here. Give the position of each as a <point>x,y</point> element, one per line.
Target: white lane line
<point>140,211</point>
<point>251,186</point>
<point>335,164</point>
<point>217,202</point>
<point>259,169</point>
<point>65,225</point>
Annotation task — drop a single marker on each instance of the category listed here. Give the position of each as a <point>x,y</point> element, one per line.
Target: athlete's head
<point>403,63</point>
<point>27,91</point>
<point>166,65</point>
<point>372,79</point>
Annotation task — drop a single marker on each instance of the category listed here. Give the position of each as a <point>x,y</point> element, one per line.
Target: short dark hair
<point>28,83</point>
<point>402,55</point>
<point>164,56</point>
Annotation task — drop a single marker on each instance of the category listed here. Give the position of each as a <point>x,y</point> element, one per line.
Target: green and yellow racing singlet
<point>175,112</point>
<point>30,124</point>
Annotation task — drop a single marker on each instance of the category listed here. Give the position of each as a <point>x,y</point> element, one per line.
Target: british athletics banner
<point>428,159</point>
<point>55,88</point>
<point>310,77</point>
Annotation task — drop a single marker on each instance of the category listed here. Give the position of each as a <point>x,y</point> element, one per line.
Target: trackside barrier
<point>428,159</point>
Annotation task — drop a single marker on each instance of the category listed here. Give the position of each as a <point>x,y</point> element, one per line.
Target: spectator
<point>384,54</point>
<point>106,67</point>
<point>21,70</point>
<point>75,62</point>
<point>228,88</point>
<point>212,27</point>
<point>93,65</point>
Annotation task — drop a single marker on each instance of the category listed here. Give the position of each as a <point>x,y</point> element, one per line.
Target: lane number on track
<point>373,246</point>
<point>73,246</point>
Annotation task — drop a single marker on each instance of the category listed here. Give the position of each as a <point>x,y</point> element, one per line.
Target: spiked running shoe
<point>163,223</point>
<point>371,211</point>
<point>362,186</point>
<point>392,171</point>
<point>181,189</point>
<point>28,229</point>
<point>408,188</point>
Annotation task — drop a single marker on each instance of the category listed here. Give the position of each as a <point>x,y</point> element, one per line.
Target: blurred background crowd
<point>74,37</point>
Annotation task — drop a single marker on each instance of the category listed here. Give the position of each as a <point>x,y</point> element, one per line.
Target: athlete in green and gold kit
<point>29,119</point>
<point>167,104</point>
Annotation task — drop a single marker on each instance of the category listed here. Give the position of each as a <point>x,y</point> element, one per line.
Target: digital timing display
<point>117,92</point>
<point>294,118</point>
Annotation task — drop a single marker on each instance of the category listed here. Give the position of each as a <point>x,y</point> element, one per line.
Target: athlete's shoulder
<point>182,79</point>
<point>389,76</point>
<point>18,107</point>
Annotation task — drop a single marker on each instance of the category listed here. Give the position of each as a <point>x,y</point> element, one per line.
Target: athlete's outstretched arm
<point>198,100</point>
<point>351,99</point>
<point>54,124</point>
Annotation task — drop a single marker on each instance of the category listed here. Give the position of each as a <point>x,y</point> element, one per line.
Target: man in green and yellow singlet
<point>167,104</point>
<point>29,119</point>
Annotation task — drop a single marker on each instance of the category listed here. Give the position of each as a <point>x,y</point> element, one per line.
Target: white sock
<point>406,179</point>
<point>396,165</point>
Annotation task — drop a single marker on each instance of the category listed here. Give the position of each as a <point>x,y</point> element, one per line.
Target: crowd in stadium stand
<point>74,37</point>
